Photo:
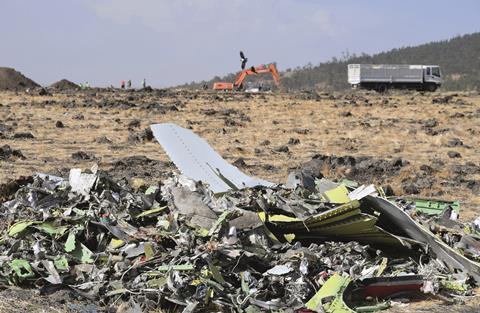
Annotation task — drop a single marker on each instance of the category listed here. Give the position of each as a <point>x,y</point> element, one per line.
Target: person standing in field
<point>144,83</point>
<point>129,84</point>
<point>122,84</point>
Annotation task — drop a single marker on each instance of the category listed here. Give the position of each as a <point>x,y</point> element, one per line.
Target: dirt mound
<point>139,166</point>
<point>13,80</point>
<point>362,168</point>
<point>64,84</point>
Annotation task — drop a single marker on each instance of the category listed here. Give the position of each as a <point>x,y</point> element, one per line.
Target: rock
<point>427,169</point>
<point>43,92</point>
<point>302,131</point>
<point>388,190</point>
<point>397,162</point>
<point>240,162</point>
<point>6,152</point>
<point>134,124</point>
<point>59,124</point>
<point>283,148</point>
<point>5,127</point>
<point>294,141</point>
<point>232,122</point>
<point>442,100</point>
<point>82,156</point>
<point>457,115</point>
<point>411,188</point>
<point>23,136</point>
<point>454,154</point>
<point>103,140</point>
<point>430,123</point>
<point>455,142</point>
<point>146,134</point>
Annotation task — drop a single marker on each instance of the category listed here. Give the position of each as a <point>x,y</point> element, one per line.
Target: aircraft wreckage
<point>215,239</point>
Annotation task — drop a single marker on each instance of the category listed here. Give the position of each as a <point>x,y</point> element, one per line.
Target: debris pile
<point>216,239</point>
<point>13,80</point>
<point>319,245</point>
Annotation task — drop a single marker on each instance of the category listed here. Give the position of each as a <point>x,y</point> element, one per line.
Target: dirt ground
<point>422,144</point>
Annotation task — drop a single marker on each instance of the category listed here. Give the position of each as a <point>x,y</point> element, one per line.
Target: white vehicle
<point>381,77</point>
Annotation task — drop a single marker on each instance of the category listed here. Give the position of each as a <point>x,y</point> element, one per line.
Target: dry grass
<point>387,126</point>
<point>380,129</point>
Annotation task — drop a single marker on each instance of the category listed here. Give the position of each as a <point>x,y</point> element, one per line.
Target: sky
<point>171,42</point>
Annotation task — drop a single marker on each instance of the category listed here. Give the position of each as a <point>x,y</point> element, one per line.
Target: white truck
<point>381,77</point>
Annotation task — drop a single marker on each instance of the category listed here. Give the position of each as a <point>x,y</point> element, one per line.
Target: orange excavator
<point>238,84</point>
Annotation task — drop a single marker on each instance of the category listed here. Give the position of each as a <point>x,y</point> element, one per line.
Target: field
<point>422,144</point>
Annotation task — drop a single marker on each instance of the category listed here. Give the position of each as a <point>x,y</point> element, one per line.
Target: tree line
<point>458,57</point>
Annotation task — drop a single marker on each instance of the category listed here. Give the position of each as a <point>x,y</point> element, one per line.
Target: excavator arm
<point>270,68</point>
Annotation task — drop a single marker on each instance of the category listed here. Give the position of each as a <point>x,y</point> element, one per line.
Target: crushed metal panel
<point>381,287</point>
<point>435,207</point>
<point>81,182</point>
<point>344,223</point>
<point>333,288</point>
<point>449,256</point>
<point>196,159</point>
<point>337,195</point>
<point>363,191</point>
<point>323,185</point>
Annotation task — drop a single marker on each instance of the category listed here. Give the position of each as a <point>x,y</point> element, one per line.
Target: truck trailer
<point>381,77</point>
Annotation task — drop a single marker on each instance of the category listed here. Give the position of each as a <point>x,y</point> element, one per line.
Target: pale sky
<point>171,42</point>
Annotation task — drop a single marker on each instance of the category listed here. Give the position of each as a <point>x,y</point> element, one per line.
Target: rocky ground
<point>412,143</point>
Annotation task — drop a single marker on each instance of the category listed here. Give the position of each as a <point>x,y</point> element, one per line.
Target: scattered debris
<point>264,248</point>
<point>219,240</point>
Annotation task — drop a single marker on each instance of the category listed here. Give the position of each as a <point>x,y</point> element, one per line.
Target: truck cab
<point>432,75</point>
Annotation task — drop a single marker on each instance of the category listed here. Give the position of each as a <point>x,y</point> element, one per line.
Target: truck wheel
<point>382,88</point>
<point>432,87</point>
